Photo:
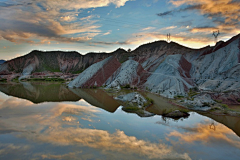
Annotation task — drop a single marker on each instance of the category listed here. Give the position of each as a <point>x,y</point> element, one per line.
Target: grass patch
<point>150,100</point>
<point>206,104</point>
<point>127,86</point>
<point>3,80</point>
<point>47,79</point>
<point>192,93</point>
<point>15,79</point>
<point>215,109</point>
<point>218,101</point>
<point>77,72</point>
<point>225,106</point>
<point>178,97</point>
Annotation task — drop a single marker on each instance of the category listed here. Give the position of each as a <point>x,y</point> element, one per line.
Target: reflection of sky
<point>70,130</point>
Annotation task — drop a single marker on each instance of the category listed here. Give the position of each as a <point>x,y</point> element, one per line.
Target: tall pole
<point>215,34</point>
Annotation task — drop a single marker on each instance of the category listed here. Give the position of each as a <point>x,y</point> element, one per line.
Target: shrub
<point>206,104</point>
<point>225,106</point>
<point>218,101</point>
<point>127,86</point>
<point>150,100</point>
<point>178,96</point>
<point>3,80</point>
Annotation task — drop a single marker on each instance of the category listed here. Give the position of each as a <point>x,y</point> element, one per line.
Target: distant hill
<point>167,69</point>
<point>2,61</point>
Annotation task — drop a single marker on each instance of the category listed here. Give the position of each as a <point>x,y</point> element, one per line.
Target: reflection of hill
<point>160,105</point>
<point>231,122</point>
<point>97,98</point>
<point>39,92</point>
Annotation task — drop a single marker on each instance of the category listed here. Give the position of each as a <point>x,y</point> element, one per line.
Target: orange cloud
<point>215,9</point>
<point>203,133</point>
<point>50,24</point>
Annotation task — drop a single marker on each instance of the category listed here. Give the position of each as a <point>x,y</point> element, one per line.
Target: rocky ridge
<point>167,69</point>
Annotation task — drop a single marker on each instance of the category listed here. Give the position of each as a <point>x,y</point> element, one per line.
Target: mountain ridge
<point>168,69</point>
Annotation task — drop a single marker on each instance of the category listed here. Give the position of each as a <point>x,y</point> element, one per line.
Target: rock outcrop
<point>167,69</point>
<point>54,61</point>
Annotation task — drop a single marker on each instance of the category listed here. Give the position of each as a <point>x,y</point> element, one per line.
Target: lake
<point>49,121</point>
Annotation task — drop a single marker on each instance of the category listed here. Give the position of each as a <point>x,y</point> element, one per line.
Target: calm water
<point>49,121</point>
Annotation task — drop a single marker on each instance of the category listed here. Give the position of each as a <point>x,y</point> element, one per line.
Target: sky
<point>105,25</point>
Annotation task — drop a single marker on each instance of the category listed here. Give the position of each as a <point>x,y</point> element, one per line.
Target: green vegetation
<point>206,104</point>
<point>178,97</point>
<point>93,87</point>
<point>225,106</point>
<point>3,80</point>
<point>127,86</point>
<point>238,100</point>
<point>46,79</point>
<point>218,101</point>
<point>77,72</point>
<point>214,109</point>
<point>165,112</point>
<point>149,100</point>
<point>192,93</point>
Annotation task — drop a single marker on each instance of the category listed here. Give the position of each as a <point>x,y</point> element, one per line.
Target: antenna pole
<point>168,37</point>
<point>215,34</point>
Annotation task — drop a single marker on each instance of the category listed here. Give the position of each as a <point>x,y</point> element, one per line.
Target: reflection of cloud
<point>43,123</point>
<point>71,155</point>
<point>68,119</point>
<point>15,103</point>
<point>12,149</point>
<point>203,133</point>
<point>100,139</point>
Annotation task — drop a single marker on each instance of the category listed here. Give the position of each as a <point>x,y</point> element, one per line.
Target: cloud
<point>165,13</point>
<point>148,28</point>
<point>34,21</point>
<point>223,13</point>
<point>107,33</point>
<point>170,27</point>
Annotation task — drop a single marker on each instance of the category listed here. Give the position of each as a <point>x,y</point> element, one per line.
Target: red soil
<point>228,98</point>
<point>184,69</point>
<point>143,76</point>
<point>104,73</point>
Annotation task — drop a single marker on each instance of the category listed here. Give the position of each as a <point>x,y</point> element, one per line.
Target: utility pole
<point>168,37</point>
<point>215,34</point>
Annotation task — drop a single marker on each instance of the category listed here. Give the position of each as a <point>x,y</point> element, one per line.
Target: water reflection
<point>97,98</point>
<point>39,92</point>
<point>63,125</point>
<point>231,122</point>
<point>69,130</point>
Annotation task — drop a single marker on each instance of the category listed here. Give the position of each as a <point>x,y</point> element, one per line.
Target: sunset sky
<point>105,25</point>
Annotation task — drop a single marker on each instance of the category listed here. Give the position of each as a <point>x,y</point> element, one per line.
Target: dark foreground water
<point>49,121</point>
